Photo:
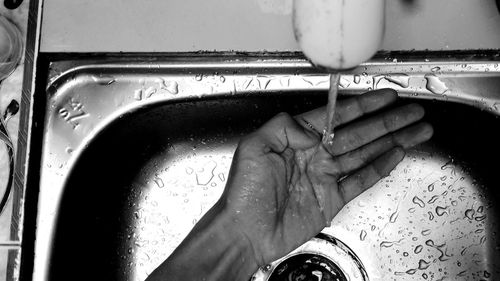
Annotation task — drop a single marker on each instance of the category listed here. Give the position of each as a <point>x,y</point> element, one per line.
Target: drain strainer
<point>323,258</point>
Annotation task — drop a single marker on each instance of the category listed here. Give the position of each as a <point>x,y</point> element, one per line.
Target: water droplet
<point>418,201</point>
<point>481,218</point>
<point>418,249</point>
<point>405,254</point>
<point>429,243</point>
<point>171,87</point>
<point>357,79</point>
<point>159,182</point>
<point>487,274</point>
<point>480,209</point>
<point>436,69</point>
<point>394,217</point>
<point>425,276</point>
<point>104,80</point>
<point>433,199</point>
<point>344,83</point>
<point>376,80</point>
<point>469,213</point>
<point>411,271</point>
<point>411,210</point>
<point>435,85</point>
<point>401,80</point>
<point>266,268</point>
<point>426,232</point>
<point>69,150</point>
<point>362,235</point>
<point>440,211</point>
<point>431,215</point>
<point>454,203</point>
<point>198,77</point>
<point>149,92</point>
<point>206,175</point>
<point>138,94</point>
<point>430,187</point>
<point>222,177</point>
<point>222,79</point>
<point>423,265</point>
<point>386,244</point>
<point>373,227</point>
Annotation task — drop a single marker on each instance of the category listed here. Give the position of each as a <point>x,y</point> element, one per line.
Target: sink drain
<point>307,267</point>
<point>323,258</point>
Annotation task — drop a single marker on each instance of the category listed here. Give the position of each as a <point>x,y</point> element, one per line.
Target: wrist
<point>214,250</point>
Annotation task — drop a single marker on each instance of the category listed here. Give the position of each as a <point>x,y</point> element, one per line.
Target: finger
<point>365,131</point>
<point>348,109</point>
<point>358,182</point>
<point>282,131</point>
<point>405,138</point>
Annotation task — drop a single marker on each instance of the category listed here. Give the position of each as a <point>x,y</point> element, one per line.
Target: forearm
<point>213,250</point>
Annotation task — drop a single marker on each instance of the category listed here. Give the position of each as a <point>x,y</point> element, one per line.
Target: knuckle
<point>389,122</point>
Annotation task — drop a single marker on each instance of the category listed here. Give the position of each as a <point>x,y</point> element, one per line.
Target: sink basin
<point>136,150</point>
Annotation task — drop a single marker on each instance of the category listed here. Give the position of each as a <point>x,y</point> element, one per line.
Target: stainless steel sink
<point>136,150</point>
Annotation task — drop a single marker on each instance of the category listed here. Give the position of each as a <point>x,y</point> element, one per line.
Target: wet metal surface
<point>135,153</point>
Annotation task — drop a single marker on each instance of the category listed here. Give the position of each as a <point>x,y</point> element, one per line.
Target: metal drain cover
<point>323,258</point>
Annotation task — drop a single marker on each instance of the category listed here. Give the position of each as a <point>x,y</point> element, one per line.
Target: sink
<point>137,149</point>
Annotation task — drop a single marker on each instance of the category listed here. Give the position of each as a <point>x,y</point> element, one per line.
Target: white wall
<point>250,25</point>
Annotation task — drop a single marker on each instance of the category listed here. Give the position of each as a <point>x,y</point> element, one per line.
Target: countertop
<point>10,89</point>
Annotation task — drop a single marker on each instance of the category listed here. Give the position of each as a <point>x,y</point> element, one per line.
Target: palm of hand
<point>296,198</point>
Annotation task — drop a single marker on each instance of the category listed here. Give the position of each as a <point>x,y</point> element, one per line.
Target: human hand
<point>285,186</point>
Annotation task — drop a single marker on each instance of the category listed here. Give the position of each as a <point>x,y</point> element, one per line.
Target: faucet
<point>339,34</point>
